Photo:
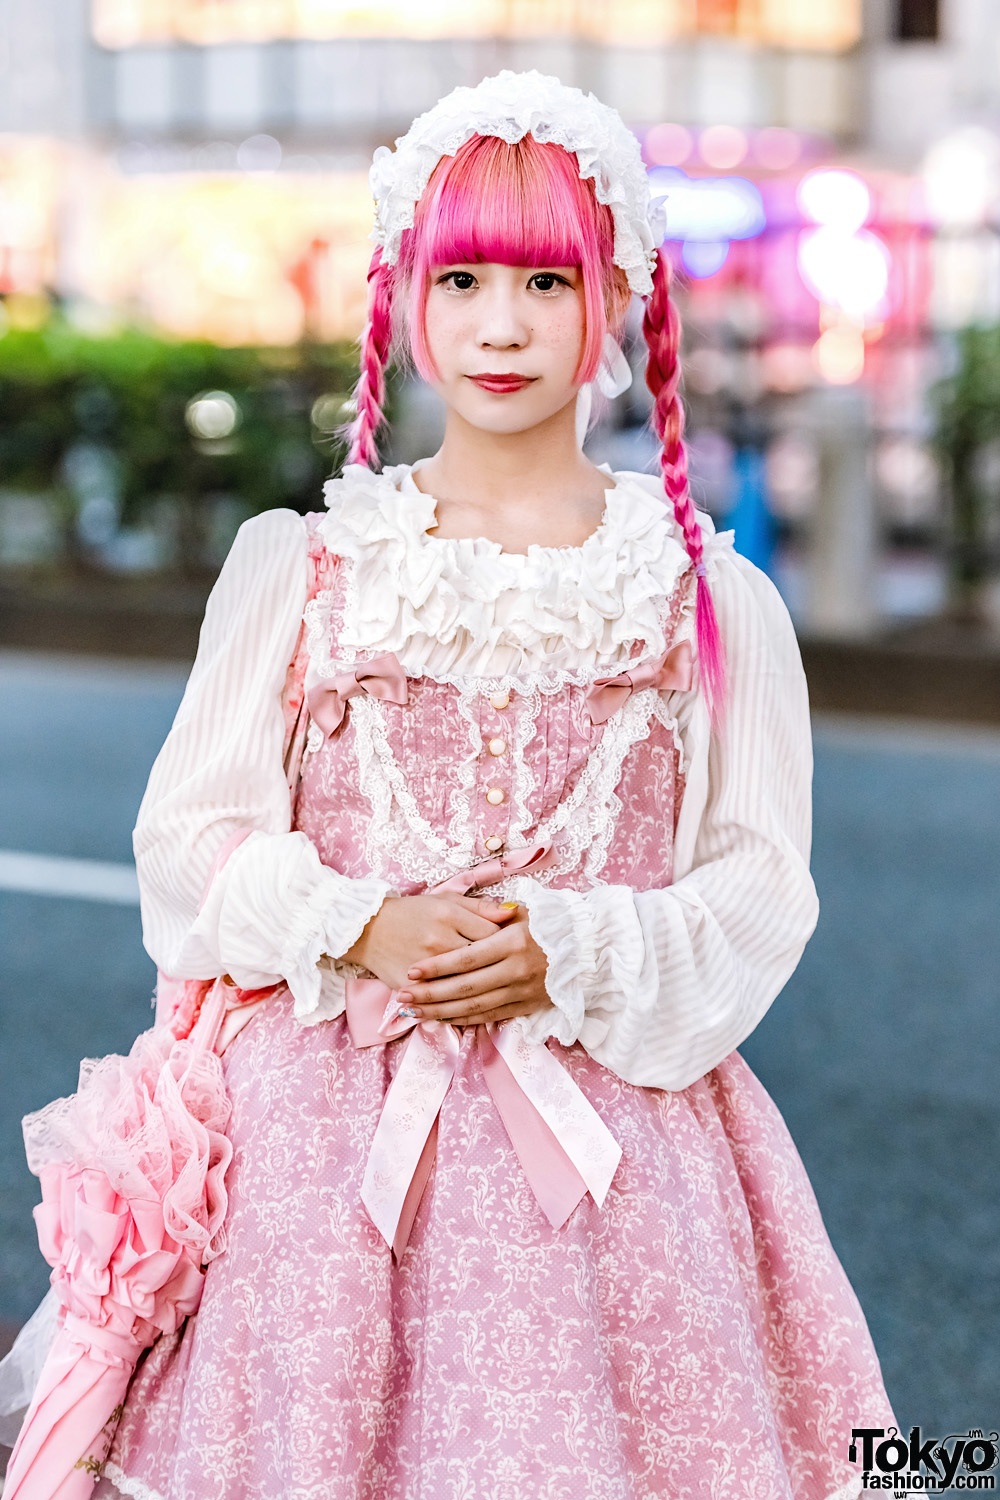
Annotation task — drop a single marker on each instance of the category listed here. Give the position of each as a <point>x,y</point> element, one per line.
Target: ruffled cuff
<point>327,924</point>
<point>563,928</point>
<point>594,945</point>
<point>273,912</point>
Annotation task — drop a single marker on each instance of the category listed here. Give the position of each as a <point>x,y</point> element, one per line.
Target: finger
<point>461,995</point>
<point>477,954</point>
<point>461,989</point>
<point>473,922</point>
<point>483,1014</point>
<point>487,908</point>
<point>508,1012</point>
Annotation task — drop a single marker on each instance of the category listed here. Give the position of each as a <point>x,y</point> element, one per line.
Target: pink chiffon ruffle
<point>132,1170</point>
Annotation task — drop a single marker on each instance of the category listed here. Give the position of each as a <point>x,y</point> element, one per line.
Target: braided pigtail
<point>376,343</point>
<point>661,326</point>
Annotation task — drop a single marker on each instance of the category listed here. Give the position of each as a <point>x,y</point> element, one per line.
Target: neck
<point>509,473</point>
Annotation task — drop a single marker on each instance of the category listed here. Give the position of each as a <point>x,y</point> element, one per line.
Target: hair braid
<point>376,342</point>
<point>661,326</point>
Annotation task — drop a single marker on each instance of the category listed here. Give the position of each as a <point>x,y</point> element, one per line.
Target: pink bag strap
<point>322,574</point>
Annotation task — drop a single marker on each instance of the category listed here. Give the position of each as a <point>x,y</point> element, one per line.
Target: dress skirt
<point>694,1337</point>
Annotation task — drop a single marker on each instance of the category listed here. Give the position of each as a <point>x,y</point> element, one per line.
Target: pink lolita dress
<point>685,1330</point>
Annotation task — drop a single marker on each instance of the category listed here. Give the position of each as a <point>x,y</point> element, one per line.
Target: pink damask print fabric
<point>695,1337</point>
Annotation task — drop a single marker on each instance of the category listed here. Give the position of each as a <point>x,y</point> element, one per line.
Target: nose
<point>502,322</point>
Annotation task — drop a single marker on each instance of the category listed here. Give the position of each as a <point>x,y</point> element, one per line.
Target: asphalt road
<point>883,1052</point>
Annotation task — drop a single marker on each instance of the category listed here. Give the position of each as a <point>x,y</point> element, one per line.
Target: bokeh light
<point>722,146</point>
<point>777,149</point>
<point>961,175</point>
<point>329,412</point>
<point>212,415</point>
<point>835,198</point>
<point>839,354</point>
<point>704,257</point>
<point>259,153</point>
<point>708,208</point>
<point>846,271</point>
<point>668,145</point>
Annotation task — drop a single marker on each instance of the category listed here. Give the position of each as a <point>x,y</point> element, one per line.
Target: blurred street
<point>883,1053</point>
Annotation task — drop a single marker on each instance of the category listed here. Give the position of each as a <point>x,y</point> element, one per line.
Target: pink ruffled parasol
<point>133,1205</point>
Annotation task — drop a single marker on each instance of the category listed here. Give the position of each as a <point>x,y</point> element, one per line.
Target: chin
<point>492,416</point>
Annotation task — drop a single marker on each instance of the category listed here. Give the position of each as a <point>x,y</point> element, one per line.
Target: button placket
<point>496,770</point>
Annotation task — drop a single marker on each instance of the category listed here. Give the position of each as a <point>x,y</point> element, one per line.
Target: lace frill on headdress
<point>511,106</point>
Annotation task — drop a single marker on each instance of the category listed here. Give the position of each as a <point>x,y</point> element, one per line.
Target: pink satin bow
<point>563,1145</point>
<point>672,673</point>
<point>381,677</point>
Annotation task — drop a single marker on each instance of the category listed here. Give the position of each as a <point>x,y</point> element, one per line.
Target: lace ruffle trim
<point>138,1489</point>
<point>429,599</point>
<point>561,925</point>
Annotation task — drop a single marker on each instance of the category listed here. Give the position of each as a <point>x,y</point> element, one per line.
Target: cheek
<point>446,332</point>
<point>565,333</point>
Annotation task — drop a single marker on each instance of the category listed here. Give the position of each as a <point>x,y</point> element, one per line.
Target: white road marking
<point>82,879</point>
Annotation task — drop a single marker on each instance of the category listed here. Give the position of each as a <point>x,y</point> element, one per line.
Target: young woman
<point>508,1217</point>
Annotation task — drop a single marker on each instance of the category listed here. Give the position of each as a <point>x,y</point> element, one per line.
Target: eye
<point>547,281</point>
<point>459,281</point>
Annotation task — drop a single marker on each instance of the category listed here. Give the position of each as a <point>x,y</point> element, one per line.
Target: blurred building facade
<point>832,169</point>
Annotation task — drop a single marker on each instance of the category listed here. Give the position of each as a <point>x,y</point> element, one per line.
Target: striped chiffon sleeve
<point>273,910</point>
<point>661,985</point>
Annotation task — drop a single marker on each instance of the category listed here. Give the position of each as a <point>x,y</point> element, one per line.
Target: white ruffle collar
<point>417,594</point>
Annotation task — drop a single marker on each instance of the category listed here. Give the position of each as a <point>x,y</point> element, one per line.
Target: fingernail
<point>413,973</point>
<point>510,905</point>
<point>406,1010</point>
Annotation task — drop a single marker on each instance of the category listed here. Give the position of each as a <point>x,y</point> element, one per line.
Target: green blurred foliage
<point>966,409</point>
<point>127,392</point>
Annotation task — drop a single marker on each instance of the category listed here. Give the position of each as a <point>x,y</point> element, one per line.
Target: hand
<point>409,930</point>
<point>492,979</point>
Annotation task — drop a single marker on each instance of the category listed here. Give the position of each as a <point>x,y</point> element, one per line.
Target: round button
<point>497,747</point>
<point>500,700</point>
<point>494,843</point>
<point>495,795</point>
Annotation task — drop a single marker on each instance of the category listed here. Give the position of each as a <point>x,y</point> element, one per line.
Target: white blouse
<point>659,986</point>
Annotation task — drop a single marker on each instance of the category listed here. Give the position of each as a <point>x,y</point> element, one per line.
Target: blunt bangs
<point>513,205</point>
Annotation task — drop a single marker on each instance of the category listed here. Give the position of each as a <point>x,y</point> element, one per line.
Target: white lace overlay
<point>397,831</point>
<point>583,825</point>
<point>511,106</point>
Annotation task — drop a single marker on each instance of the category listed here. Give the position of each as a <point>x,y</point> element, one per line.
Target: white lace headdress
<point>511,106</point>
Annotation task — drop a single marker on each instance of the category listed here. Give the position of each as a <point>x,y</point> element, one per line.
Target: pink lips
<point>501,385</point>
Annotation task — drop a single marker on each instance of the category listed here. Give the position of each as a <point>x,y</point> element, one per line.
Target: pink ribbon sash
<point>672,673</point>
<point>381,677</point>
<point>563,1145</point>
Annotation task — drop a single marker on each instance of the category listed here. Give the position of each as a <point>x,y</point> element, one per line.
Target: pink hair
<point>527,205</point>
<point>661,327</point>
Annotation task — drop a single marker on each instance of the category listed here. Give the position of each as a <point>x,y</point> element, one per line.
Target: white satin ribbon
<point>614,376</point>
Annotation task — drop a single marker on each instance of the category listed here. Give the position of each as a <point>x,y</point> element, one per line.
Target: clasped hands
<point>463,959</point>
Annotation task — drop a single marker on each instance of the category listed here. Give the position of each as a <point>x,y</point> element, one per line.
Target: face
<point>506,341</point>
